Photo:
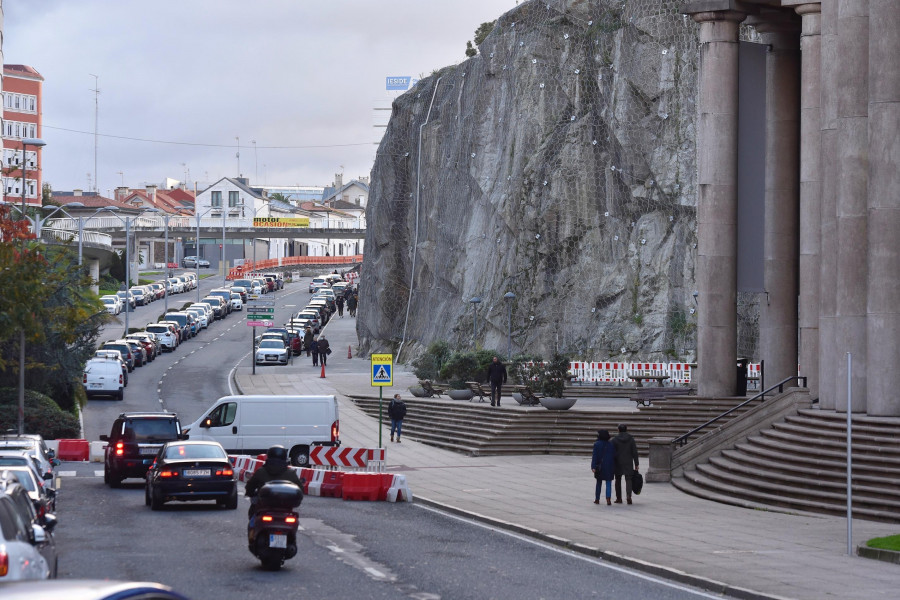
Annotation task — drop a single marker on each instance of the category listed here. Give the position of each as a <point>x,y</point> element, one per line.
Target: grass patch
<point>891,542</point>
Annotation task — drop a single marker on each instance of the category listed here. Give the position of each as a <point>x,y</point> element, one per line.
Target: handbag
<point>637,483</point>
<point>328,351</point>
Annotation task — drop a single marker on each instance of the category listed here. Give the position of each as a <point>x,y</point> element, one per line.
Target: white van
<point>253,424</point>
<point>103,377</point>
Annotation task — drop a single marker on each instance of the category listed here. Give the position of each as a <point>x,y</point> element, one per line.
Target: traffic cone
<point>349,355</point>
<point>322,376</point>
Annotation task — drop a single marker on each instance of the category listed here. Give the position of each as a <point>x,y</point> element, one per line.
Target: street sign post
<point>260,309</point>
<point>260,323</point>
<point>255,302</point>
<point>382,375</point>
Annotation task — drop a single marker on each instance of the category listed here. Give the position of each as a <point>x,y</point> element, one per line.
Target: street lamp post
<point>475,300</point>
<point>509,297</point>
<point>198,215</point>
<point>165,218</point>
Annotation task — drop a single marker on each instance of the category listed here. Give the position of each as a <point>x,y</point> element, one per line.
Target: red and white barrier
<point>399,490</point>
<point>339,457</point>
<point>680,373</point>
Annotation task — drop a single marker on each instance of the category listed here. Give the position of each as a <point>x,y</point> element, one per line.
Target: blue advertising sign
<point>397,83</point>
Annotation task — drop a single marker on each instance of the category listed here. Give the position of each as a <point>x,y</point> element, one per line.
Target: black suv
<point>133,443</point>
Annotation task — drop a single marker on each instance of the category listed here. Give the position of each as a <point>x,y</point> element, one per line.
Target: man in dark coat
<point>307,339</point>
<point>496,374</point>
<point>324,348</point>
<point>397,412</point>
<point>626,462</point>
<point>275,468</point>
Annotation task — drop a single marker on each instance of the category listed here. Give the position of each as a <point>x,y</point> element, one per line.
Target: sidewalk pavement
<point>736,551</point>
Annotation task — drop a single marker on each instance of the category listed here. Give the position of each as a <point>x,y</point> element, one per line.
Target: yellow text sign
<point>281,221</point>
<point>382,369</point>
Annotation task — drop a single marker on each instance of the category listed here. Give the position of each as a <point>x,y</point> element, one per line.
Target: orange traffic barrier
<point>74,450</point>
<point>332,484</point>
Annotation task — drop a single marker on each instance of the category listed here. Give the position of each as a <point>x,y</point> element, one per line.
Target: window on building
<point>31,159</point>
<point>32,130</point>
<point>216,199</point>
<point>233,199</point>
<point>32,103</point>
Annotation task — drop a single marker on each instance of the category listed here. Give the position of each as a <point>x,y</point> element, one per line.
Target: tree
<point>483,31</point>
<point>46,296</point>
<point>278,196</point>
<point>470,50</point>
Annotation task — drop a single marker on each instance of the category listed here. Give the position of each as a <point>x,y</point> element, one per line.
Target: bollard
<point>349,354</point>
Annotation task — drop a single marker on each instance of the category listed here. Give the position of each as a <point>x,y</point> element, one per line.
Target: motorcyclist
<point>275,468</point>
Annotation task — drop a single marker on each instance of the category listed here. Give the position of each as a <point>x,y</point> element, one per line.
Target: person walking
<point>397,412</point>
<point>340,306</point>
<point>496,374</point>
<point>603,464</point>
<point>351,304</point>
<point>307,339</point>
<point>314,348</point>
<point>626,462</point>
<point>325,350</point>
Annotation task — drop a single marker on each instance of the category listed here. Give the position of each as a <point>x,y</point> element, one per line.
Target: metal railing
<point>145,222</point>
<point>683,439</point>
<point>67,236</point>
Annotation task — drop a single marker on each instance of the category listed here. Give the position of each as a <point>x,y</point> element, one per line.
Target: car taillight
<point>267,518</point>
<point>168,473</point>
<point>335,430</point>
<point>290,519</point>
<point>225,472</point>
<point>120,379</point>
<point>4,563</point>
<point>85,378</point>
<point>120,447</point>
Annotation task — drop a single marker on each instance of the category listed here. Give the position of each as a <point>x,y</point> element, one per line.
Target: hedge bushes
<point>42,415</point>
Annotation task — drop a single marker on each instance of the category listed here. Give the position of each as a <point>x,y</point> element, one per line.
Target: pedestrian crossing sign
<point>382,369</point>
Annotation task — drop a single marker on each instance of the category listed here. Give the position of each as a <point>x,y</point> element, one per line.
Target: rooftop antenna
<point>96,91</point>
<point>255,162</point>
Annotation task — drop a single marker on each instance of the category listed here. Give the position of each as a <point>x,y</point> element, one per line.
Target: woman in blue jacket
<point>603,464</point>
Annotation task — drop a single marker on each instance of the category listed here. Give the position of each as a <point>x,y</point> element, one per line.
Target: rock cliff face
<point>558,164</point>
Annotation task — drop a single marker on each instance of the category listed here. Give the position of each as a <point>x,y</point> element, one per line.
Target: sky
<point>301,78</point>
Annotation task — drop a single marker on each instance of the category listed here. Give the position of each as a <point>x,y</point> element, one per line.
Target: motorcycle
<point>272,530</point>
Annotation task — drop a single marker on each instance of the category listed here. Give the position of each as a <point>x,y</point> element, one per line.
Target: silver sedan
<point>271,351</point>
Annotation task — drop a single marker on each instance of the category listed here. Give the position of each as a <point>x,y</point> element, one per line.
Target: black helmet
<point>277,455</point>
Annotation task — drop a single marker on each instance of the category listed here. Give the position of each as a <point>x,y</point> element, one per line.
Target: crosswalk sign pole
<point>382,375</point>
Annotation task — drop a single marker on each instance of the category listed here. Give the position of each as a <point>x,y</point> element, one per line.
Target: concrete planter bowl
<point>417,391</point>
<point>461,394</point>
<point>558,403</point>
<point>518,397</point>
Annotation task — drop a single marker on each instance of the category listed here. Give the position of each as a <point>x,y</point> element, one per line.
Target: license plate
<point>149,450</point>
<point>196,472</point>
<point>271,357</point>
<point>277,540</point>
<point>96,385</point>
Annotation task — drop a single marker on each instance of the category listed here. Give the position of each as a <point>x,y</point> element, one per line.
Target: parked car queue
<point>106,373</point>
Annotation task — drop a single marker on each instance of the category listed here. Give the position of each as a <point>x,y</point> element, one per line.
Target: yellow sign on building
<point>281,221</point>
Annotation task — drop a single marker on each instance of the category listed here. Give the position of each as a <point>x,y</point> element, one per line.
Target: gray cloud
<point>281,72</point>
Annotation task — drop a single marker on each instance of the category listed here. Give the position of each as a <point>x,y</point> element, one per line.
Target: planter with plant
<point>461,367</point>
<point>552,377</point>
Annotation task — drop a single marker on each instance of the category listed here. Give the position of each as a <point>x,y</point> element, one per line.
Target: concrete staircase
<point>800,464</point>
<point>480,430</point>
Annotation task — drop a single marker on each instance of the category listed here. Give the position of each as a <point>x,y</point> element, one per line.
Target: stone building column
<point>852,198</point>
<point>883,318</point>
<point>829,351</point>
<point>810,189</point>
<point>717,143</point>
<point>778,310</point>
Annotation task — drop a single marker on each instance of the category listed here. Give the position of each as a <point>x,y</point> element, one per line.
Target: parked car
<point>139,296</point>
<point>43,497</point>
<point>146,342</point>
<point>113,307</point>
<point>177,286</point>
<point>316,284</point>
<point>224,294</point>
<point>90,589</point>
<point>191,470</point>
<point>115,355</point>
<point>25,546</point>
<point>33,444</point>
<point>236,302</point>
<point>103,377</point>
<point>124,349</point>
<point>128,299</point>
<point>140,353</point>
<point>191,262</point>
<point>199,314</point>
<point>133,442</point>
<point>167,339</point>
<point>271,351</point>
<point>159,289</point>
<point>242,291</point>
<point>218,305</point>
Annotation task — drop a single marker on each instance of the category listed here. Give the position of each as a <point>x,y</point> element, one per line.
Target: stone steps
<point>800,464</point>
<point>479,429</point>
